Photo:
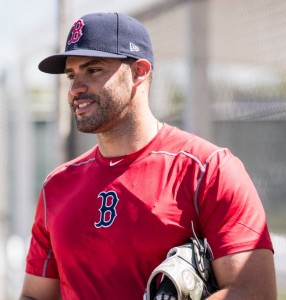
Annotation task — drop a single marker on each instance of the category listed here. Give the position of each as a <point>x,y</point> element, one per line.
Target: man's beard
<point>88,124</point>
<point>105,112</point>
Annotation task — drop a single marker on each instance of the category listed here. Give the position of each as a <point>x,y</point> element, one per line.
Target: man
<point>106,219</point>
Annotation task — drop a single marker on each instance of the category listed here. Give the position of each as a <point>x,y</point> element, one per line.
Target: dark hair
<point>128,60</point>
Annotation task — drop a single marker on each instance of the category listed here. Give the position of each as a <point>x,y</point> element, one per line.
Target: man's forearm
<point>238,294</point>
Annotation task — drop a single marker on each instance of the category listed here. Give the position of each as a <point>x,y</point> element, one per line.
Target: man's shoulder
<point>83,159</point>
<point>176,140</point>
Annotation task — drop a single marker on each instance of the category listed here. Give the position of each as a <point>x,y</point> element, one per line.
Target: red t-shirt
<point>103,224</point>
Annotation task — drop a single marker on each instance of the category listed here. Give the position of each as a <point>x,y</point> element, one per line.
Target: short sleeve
<point>40,259</point>
<point>232,217</point>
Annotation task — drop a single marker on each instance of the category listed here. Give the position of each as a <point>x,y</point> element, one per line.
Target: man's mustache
<point>92,97</point>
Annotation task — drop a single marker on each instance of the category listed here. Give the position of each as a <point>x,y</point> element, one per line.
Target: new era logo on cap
<point>134,47</point>
<point>106,35</point>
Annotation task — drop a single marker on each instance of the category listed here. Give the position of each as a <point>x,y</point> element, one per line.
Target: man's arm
<point>246,275</point>
<point>40,288</point>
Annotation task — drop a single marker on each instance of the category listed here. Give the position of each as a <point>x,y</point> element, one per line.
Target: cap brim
<point>56,64</point>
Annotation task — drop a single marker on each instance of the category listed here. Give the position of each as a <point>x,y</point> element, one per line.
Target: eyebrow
<point>85,65</point>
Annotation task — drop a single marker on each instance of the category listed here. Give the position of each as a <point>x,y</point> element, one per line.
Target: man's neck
<point>123,141</point>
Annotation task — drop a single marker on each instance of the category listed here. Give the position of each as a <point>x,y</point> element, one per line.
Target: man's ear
<point>141,69</point>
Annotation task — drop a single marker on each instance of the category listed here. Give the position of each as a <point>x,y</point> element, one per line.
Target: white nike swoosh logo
<point>114,163</point>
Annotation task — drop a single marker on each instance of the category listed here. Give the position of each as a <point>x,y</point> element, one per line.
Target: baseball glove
<point>186,273</point>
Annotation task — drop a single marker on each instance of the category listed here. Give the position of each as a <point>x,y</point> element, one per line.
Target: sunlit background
<point>220,71</point>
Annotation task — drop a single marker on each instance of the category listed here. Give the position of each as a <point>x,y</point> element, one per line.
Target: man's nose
<point>77,87</point>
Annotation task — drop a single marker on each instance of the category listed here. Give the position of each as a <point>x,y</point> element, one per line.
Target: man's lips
<point>82,106</point>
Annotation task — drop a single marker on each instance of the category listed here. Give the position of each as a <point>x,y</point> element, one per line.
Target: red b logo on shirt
<point>77,32</point>
<point>107,210</point>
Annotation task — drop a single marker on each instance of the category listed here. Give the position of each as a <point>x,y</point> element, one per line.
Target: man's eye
<point>70,76</point>
<point>93,70</point>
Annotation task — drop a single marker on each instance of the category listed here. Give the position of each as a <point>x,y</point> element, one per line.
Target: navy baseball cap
<point>106,35</point>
